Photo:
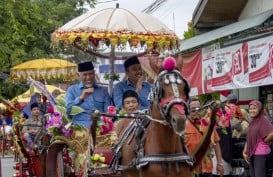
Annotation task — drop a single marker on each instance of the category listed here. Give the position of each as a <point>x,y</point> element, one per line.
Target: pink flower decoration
<point>112,110</point>
<point>55,120</point>
<point>107,125</point>
<point>219,113</point>
<point>169,63</point>
<point>204,122</point>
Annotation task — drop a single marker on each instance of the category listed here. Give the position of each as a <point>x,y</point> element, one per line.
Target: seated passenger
<point>136,81</point>
<point>130,102</point>
<point>130,105</point>
<point>32,125</point>
<point>26,112</point>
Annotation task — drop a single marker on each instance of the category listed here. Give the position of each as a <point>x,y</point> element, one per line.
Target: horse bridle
<point>180,101</point>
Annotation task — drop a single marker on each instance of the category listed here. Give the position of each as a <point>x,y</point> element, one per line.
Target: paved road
<point>7,164</point>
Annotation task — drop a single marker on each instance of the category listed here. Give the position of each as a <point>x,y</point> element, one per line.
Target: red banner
<point>192,67</point>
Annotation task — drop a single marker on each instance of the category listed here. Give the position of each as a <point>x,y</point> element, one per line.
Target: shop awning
<point>225,31</point>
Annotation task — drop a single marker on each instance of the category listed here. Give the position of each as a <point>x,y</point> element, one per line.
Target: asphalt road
<point>7,164</point>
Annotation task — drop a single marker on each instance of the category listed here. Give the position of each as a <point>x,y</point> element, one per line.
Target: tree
<point>26,27</point>
<point>190,33</point>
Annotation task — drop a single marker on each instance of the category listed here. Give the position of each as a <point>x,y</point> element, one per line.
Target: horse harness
<point>137,129</point>
<point>173,78</point>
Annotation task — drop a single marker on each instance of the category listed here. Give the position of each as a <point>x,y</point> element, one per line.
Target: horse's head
<point>170,95</point>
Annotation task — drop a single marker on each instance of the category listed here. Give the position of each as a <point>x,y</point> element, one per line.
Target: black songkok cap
<point>86,66</point>
<point>131,61</point>
<point>34,105</point>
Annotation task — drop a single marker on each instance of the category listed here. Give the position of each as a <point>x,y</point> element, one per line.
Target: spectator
<point>44,105</point>
<point>269,110</point>
<point>259,137</point>
<point>239,126</point>
<point>35,98</point>
<point>226,138</point>
<point>135,81</point>
<point>5,123</point>
<point>87,95</point>
<point>56,93</point>
<point>193,137</point>
<point>32,125</point>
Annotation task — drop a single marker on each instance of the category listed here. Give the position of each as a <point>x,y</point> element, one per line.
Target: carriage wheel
<point>60,165</point>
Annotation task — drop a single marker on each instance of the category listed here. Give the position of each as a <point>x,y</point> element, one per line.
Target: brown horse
<point>161,151</point>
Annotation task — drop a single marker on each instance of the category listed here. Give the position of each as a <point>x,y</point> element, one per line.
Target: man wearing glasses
<point>195,130</point>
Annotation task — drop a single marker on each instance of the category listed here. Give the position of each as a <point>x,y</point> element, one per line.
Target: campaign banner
<point>242,65</point>
<point>260,61</point>
<point>226,64</point>
<point>208,55</point>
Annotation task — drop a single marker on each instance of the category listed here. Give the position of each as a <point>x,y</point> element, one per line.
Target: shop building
<point>233,49</point>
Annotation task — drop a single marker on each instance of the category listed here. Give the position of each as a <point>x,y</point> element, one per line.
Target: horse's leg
<point>128,148</point>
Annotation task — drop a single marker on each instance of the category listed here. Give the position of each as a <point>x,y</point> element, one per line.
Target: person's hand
<point>140,82</point>
<point>246,157</point>
<point>86,93</point>
<point>220,169</point>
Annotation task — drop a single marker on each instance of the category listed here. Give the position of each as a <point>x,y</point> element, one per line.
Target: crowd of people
<point>132,94</point>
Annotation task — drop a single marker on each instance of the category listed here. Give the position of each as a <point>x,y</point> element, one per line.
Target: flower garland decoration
<point>56,126</point>
<point>106,124</point>
<point>61,128</point>
<point>223,117</point>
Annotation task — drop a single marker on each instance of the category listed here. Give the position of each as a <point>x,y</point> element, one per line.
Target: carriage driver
<point>30,130</point>
<point>87,95</point>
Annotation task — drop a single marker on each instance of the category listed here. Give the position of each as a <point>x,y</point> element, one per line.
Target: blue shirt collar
<point>81,86</point>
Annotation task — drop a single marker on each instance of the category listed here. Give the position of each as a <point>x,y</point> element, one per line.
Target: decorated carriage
<point>150,144</point>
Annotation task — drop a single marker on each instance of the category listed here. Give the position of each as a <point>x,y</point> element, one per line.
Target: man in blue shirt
<point>135,81</point>
<point>87,95</point>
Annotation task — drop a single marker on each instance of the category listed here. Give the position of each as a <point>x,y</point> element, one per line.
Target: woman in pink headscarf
<point>259,136</point>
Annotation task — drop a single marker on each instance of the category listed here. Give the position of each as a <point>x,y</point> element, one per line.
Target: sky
<point>173,13</point>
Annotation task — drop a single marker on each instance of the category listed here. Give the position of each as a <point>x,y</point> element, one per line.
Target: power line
<point>154,6</point>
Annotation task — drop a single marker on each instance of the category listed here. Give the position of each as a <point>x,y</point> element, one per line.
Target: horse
<point>160,151</point>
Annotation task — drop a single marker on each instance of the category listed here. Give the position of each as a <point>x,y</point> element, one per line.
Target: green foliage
<point>60,100</point>
<point>76,110</point>
<point>114,77</point>
<point>205,98</point>
<point>190,33</point>
<point>9,91</point>
<point>26,28</point>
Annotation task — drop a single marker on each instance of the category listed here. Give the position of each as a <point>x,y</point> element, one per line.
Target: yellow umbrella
<point>44,68</point>
<point>25,97</point>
